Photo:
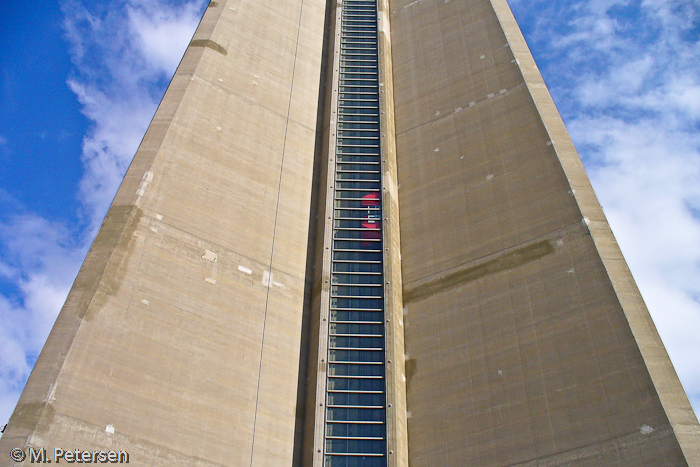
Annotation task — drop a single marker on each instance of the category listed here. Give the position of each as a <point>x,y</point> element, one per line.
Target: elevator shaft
<point>355,417</point>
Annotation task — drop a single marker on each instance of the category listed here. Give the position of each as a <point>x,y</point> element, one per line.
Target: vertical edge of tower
<point>320,295</point>
<point>315,254</point>
<point>397,435</point>
<point>673,398</point>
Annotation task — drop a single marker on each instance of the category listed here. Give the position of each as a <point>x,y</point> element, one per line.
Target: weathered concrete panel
<point>519,343</point>
<point>183,331</point>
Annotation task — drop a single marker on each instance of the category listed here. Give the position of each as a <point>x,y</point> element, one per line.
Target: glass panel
<point>355,430</point>
<point>351,415</point>
<point>354,461</point>
<point>358,176</point>
<point>357,267</point>
<point>349,110</point>
<point>356,304</point>
<point>347,328</point>
<point>357,158</point>
<point>359,204</point>
<point>356,342</point>
<point>354,194</point>
<point>363,167</point>
<point>364,446</point>
<point>359,61</point>
<point>338,369</point>
<point>368,81</point>
<point>365,246</point>
<point>364,225</point>
<point>356,278</point>
<point>356,356</point>
<point>355,384</point>
<point>344,185</point>
<point>356,290</point>
<point>355,315</point>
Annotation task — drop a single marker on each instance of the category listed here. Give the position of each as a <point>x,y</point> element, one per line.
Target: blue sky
<point>81,81</point>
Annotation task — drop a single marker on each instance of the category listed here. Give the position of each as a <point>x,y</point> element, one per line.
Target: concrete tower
<point>356,234</point>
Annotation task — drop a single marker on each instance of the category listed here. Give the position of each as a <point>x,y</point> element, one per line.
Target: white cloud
<point>624,81</point>
<point>162,33</point>
<point>123,56</point>
<point>682,94</point>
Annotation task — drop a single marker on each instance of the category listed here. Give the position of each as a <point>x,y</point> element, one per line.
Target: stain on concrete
<point>119,226</point>
<point>213,4</point>
<point>411,367</point>
<point>503,262</point>
<point>208,43</point>
<point>36,417</point>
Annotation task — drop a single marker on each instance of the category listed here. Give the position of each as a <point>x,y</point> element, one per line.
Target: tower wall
<point>198,326</point>
<point>523,327</point>
<point>183,328</point>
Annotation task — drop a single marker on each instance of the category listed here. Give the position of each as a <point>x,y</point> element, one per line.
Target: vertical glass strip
<point>355,424</point>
